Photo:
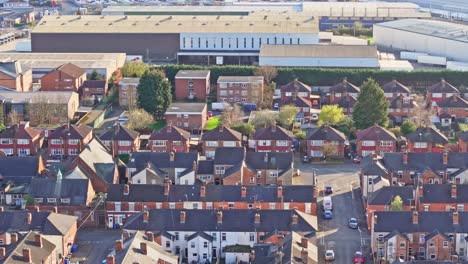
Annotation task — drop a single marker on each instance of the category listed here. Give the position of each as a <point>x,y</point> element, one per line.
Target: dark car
<point>305,159</point>
<point>328,189</point>
<point>358,257</point>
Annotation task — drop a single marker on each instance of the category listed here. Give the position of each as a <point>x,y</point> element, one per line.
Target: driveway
<point>335,234</point>
<point>95,244</point>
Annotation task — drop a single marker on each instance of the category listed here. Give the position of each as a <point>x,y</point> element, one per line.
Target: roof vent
<point>194,17</point>
<point>148,17</point>
<point>180,24</point>
<point>203,24</point>
<point>134,23</point>
<point>251,24</point>
<point>227,24</point>
<point>157,24</point>
<point>275,24</point>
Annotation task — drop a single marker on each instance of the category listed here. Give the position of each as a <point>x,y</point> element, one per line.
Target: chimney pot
<point>219,217</point>
<point>415,218</point>
<point>405,157</point>
<point>150,236</point>
<point>167,188</point>
<point>221,128</point>
<point>304,242</point>
<point>445,158</point>
<point>118,245</point>
<point>14,238</point>
<point>453,191</point>
<point>125,235</point>
<point>37,208</point>
<point>265,157</point>
<point>2,209</point>
<point>171,156</point>
<point>110,260</point>
<point>257,218</point>
<point>273,128</point>
<point>126,189</point>
<point>145,216</point>
<point>55,210</point>
<point>455,218</point>
<point>421,191</point>
<point>243,192</point>
<point>202,191</point>
<point>143,248</point>
<point>182,217</point>
<point>27,255</point>
<point>38,240</point>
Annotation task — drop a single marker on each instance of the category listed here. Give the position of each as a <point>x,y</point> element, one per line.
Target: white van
<point>327,203</point>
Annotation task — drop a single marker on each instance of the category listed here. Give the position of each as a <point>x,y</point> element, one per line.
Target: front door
<point>111,221</point>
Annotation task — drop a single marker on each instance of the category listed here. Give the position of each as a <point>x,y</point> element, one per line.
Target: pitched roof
<point>229,155</point>
<point>441,193</point>
<point>241,79</point>
<point>33,97</point>
<point>427,134</point>
<point>393,234</point>
<point>119,132</point>
<point>171,133</point>
<point>296,101</point>
<point>453,101</point>
<point>74,189</point>
<point>375,132</point>
<point>436,233</point>
<point>281,161</point>
<point>295,86</point>
<point>200,234</point>
<point>19,169</point>
<point>161,160</point>
<point>395,87</point>
<point>463,136</point>
<point>71,132</point>
<point>99,159</point>
<point>421,161</point>
<point>46,222</point>
<point>443,87</point>
<point>206,220</point>
<point>38,253</point>
<point>371,166</point>
<point>72,70</point>
<point>346,101</point>
<point>13,68</point>
<point>95,84</point>
<point>386,194</point>
<point>221,133</point>
<point>344,87</point>
<point>327,133</point>
<point>213,193</point>
<point>398,102</point>
<point>205,167</point>
<point>20,131</point>
<point>273,133</point>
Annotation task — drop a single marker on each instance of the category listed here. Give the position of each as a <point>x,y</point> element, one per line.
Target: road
<point>95,244</point>
<point>335,234</point>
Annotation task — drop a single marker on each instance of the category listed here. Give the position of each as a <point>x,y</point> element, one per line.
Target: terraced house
<point>69,140</point>
<point>169,138</point>
<point>20,140</point>
<point>221,136</point>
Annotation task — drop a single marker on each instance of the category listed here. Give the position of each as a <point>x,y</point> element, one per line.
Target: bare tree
<point>139,119</point>
<point>13,117</point>
<point>422,112</point>
<point>231,114</point>
<point>329,150</point>
<point>263,118</point>
<point>47,110</point>
<point>268,72</point>
<point>268,92</point>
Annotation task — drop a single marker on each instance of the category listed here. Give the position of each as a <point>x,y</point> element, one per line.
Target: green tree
<point>397,204</point>
<point>154,93</point>
<point>300,134</point>
<point>286,115</point>
<point>408,127</point>
<point>134,69</point>
<point>346,125</point>
<point>244,128</point>
<point>96,76</point>
<point>331,115</point>
<point>267,98</point>
<point>396,131</point>
<point>263,118</point>
<point>2,120</point>
<point>231,114</point>
<point>139,119</point>
<point>371,106</point>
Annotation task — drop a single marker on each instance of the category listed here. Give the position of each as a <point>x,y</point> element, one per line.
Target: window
<point>410,251</point>
<point>56,151</point>
<point>223,236</point>
<point>168,244</point>
<point>445,244</point>
<point>282,143</point>
<point>117,206</point>
<point>433,256</point>
<point>272,206</point>
<point>231,205</point>
<point>192,244</point>
<point>229,143</point>
<point>195,205</point>
<point>335,143</point>
<point>38,200</point>
<point>410,237</point>
<point>211,143</point>
<point>51,200</point>
<point>317,142</point>
<point>386,143</point>
<point>185,116</point>
<point>125,143</point>
<point>186,124</point>
<point>131,206</point>
<point>422,239</point>
<point>214,236</point>
<point>65,200</point>
<point>252,237</point>
<point>73,151</point>
<point>171,205</point>
<point>402,245</point>
<point>205,244</point>
<point>368,143</point>
<point>264,143</point>
<point>194,254</point>
<point>159,142</point>
<point>422,251</point>
<point>420,145</point>
<point>55,141</point>
<point>252,180</point>
<point>23,141</point>
<point>426,208</point>
<point>176,236</point>
<point>460,207</point>
<point>273,173</point>
<point>205,255</point>
<point>178,115</point>
<point>431,244</point>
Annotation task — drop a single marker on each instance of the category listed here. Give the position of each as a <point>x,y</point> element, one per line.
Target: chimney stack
<point>415,218</point>
<point>14,238</point>
<point>219,217</point>
<point>125,235</point>
<point>273,128</point>
<point>421,191</point>
<point>405,157</point>
<point>167,187</point>
<point>265,157</point>
<point>257,218</point>
<point>27,255</point>
<point>29,218</point>
<point>304,255</point>
<point>252,255</point>
<point>445,157</point>
<point>126,189</point>
<point>456,220</point>
<point>150,236</point>
<point>38,240</point>
<point>2,252</point>
<point>202,191</point>
<point>294,219</point>
<point>304,242</point>
<point>221,128</point>
<point>55,209</point>
<point>2,209</point>
<point>110,260</point>
<point>37,208</point>
<point>182,217</point>
<point>279,191</point>
<point>143,248</point>
<point>145,216</point>
<point>171,156</point>
<point>118,245</point>
<point>169,128</point>
<point>280,240</point>
<point>453,191</point>
<point>243,192</point>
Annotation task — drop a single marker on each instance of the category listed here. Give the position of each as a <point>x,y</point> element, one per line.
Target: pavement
<point>95,244</point>
<point>334,233</point>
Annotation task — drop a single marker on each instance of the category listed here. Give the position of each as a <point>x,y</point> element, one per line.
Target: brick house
<point>169,138</point>
<point>121,140</point>
<point>302,104</point>
<point>428,139</point>
<point>341,89</point>
<point>19,170</point>
<point>442,197</point>
<point>94,89</point>
<point>455,106</point>
<point>268,168</point>
<point>395,89</point>
<point>273,139</point>
<point>192,84</point>
<point>189,116</point>
<point>221,136</point>
<point>15,76</point>
<point>240,89</point>
<point>346,102</point>
<point>374,140</point>
<point>67,77</point>
<point>229,165</point>
<point>32,248</point>
<point>126,200</point>
<point>128,91</point>
<point>20,140</point>
<point>441,91</point>
<point>400,108</point>
<point>295,89</point>
<point>321,136</point>
<point>69,140</point>
<point>462,141</point>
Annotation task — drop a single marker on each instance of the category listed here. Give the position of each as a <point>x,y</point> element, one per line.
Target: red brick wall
<point>430,148</point>
<point>463,145</point>
<point>194,121</point>
<point>200,88</point>
<point>339,149</point>
<point>438,249</point>
<point>169,147</point>
<point>377,148</point>
<point>273,147</point>
<point>220,144</point>
<point>32,146</point>
<point>55,81</point>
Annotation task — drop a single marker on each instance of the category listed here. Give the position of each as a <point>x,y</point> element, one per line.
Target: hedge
<point>418,80</point>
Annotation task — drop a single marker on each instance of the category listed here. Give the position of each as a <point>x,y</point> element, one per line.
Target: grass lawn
<point>463,127</point>
<point>212,123</point>
<point>158,125</point>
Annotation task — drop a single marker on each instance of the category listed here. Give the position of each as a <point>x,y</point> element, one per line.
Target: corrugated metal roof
<point>318,51</point>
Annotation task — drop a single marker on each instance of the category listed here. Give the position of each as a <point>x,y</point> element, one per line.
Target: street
<point>335,233</point>
<point>95,244</point>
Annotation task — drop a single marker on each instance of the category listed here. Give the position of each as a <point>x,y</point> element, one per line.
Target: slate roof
<point>273,133</point>
<point>386,194</point>
<point>20,132</point>
<point>395,87</point>
<point>283,162</point>
<point>441,193</point>
<point>213,193</point>
<point>38,253</point>
<point>327,133</point>
<point>375,132</point>
<point>161,160</point>
<point>422,161</point>
<point>393,234</point>
<point>19,169</point>
<point>13,68</point>
<point>46,222</point>
<point>443,87</point>
<point>176,108</point>
<point>229,155</point>
<point>201,234</point>
<point>95,84</point>
<point>221,133</point>
<point>206,220</point>
<point>397,103</point>
<point>99,159</point>
<point>205,167</point>
<point>369,166</point>
<point>463,136</point>
<point>119,132</point>
<point>71,69</point>
<point>427,134</point>
<point>454,101</point>
<point>297,102</point>
<point>295,86</point>
<point>387,221</point>
<point>74,189</point>
<point>346,102</point>
<point>344,87</point>
<point>171,133</point>
<point>71,132</point>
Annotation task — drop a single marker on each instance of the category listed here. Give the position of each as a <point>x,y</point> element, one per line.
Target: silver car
<point>353,223</point>
<point>329,255</point>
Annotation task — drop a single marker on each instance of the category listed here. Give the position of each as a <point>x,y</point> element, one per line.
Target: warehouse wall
<point>320,62</point>
<point>157,46</point>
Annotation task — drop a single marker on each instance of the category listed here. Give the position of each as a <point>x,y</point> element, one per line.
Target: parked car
<point>305,159</point>
<point>328,189</point>
<point>327,214</point>
<point>357,160</point>
<point>358,257</point>
<point>329,255</point>
<point>353,223</point>
<point>209,114</point>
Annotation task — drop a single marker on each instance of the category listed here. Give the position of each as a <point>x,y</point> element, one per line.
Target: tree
<point>268,72</point>
<point>263,118</point>
<point>397,204</point>
<point>134,69</point>
<point>244,128</point>
<point>329,150</point>
<point>300,134</point>
<point>2,120</point>
<point>371,106</point>
<point>346,126</point>
<point>286,115</point>
<point>407,127</point>
<point>13,117</point>
<point>231,114</point>
<point>421,113</point>
<point>154,93</point>
<point>139,119</point>
<point>268,92</point>
<point>331,115</point>
<point>96,76</point>
<point>396,131</point>
<point>47,110</point>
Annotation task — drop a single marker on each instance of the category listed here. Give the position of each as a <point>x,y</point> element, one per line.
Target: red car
<point>209,114</point>
<point>357,160</point>
<point>358,257</point>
